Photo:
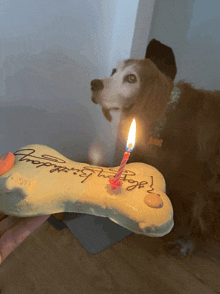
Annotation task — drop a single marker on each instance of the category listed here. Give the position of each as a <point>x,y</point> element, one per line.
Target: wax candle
<point>115,182</point>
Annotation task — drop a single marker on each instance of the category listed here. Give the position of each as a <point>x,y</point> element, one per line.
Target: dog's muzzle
<point>97,85</point>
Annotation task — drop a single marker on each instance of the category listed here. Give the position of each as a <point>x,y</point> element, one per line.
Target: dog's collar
<point>174,98</point>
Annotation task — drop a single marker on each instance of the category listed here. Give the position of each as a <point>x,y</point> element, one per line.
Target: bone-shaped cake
<point>42,181</point>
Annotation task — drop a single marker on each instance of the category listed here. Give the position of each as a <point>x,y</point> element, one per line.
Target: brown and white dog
<point>178,132</point>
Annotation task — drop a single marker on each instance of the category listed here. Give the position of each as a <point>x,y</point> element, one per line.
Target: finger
<point>5,224</point>
<point>2,215</point>
<point>18,233</point>
<point>6,162</point>
<point>9,222</point>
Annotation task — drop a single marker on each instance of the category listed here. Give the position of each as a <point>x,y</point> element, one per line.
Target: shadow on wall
<point>201,62</point>
<point>46,101</point>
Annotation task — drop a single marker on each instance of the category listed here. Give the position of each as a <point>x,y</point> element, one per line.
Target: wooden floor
<point>51,261</point>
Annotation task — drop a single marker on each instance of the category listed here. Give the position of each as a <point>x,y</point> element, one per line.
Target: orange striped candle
<point>115,182</point>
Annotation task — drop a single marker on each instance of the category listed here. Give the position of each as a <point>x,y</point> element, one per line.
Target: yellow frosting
<point>42,181</point>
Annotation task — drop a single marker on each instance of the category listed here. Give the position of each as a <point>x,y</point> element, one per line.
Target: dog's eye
<point>131,78</point>
<point>113,71</point>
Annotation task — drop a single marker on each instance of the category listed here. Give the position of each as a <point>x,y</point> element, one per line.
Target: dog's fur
<point>189,157</point>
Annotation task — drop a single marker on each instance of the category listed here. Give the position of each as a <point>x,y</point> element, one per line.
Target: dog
<point>178,132</point>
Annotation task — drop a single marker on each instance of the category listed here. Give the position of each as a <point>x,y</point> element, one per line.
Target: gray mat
<point>96,233</point>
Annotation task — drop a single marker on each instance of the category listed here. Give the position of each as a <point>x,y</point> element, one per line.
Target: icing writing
<point>55,164</point>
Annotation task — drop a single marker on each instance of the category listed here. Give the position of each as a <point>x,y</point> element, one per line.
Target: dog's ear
<point>163,57</point>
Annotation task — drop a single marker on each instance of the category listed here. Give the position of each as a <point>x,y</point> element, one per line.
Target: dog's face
<point>131,83</point>
<point>118,90</point>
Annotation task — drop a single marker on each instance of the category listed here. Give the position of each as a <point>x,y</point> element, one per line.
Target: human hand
<point>14,230</point>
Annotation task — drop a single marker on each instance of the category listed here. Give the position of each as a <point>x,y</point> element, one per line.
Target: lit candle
<point>115,182</point>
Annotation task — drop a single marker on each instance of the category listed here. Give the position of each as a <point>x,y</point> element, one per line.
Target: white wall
<point>49,53</point>
<point>191,28</point>
<point>123,25</point>
<point>142,28</point>
<point>201,62</point>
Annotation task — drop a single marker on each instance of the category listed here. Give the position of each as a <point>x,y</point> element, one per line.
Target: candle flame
<point>131,136</point>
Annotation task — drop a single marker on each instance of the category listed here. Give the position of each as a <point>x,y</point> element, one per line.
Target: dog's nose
<point>96,85</point>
